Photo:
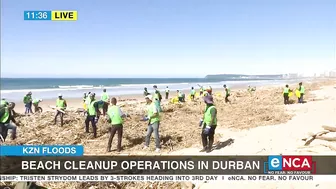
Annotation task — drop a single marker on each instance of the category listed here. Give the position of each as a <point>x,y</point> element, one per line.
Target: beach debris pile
<point>179,126</point>
<point>178,130</point>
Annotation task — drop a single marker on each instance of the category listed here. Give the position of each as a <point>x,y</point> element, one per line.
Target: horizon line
<point>139,77</point>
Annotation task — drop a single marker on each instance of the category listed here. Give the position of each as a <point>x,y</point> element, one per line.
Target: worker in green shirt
<point>27,100</point>
<point>87,101</point>
<point>286,92</point>
<point>192,93</point>
<point>105,97</point>
<point>36,104</point>
<point>145,93</point>
<point>61,106</point>
<point>302,92</point>
<point>7,121</point>
<point>115,117</point>
<point>227,93</point>
<point>4,103</point>
<point>209,124</point>
<point>180,96</point>
<point>93,114</point>
<point>153,118</point>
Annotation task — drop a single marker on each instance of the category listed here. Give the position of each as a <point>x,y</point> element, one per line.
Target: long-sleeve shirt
<point>27,99</point>
<point>96,106</point>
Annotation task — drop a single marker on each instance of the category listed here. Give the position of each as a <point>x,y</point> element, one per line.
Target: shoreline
<point>75,103</point>
<point>134,90</point>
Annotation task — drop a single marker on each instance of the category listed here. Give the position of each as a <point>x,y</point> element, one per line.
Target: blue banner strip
<point>42,150</point>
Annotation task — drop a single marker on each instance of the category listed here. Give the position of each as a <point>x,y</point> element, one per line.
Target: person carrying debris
<point>192,93</point>
<point>7,121</point>
<point>209,124</point>
<point>92,115</point>
<point>153,118</point>
<point>36,104</point>
<point>145,93</point>
<point>105,97</point>
<point>27,100</point>
<point>60,106</point>
<point>302,92</point>
<point>167,93</point>
<point>115,117</point>
<point>227,93</point>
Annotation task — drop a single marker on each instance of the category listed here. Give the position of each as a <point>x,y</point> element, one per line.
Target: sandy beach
<point>257,124</point>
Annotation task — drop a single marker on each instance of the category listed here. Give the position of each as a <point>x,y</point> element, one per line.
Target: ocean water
<point>47,88</point>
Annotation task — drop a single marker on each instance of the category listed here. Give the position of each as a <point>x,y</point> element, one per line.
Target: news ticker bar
<point>42,150</point>
<point>166,178</point>
<point>59,15</point>
<point>170,165</point>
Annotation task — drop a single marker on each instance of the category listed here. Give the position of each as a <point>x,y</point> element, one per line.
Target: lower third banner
<point>169,165</point>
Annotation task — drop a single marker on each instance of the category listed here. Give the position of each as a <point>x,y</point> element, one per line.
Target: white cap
<point>149,97</point>
<point>59,94</point>
<point>41,100</point>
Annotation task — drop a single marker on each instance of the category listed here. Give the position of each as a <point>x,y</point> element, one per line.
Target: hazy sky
<point>177,38</point>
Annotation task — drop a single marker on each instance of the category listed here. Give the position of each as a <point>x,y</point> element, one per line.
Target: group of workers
<point>28,101</point>
<point>115,116</point>
<point>299,92</point>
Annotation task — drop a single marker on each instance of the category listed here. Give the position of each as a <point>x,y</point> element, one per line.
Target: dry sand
<point>282,129</point>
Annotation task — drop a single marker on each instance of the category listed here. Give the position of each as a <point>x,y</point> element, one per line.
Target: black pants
<point>59,114</point>
<point>208,139</point>
<point>192,97</point>
<point>113,130</point>
<point>35,108</point>
<point>167,95</point>
<point>105,107</point>
<point>93,122</point>
<point>286,98</point>
<point>3,131</point>
<point>227,98</point>
<point>301,98</point>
